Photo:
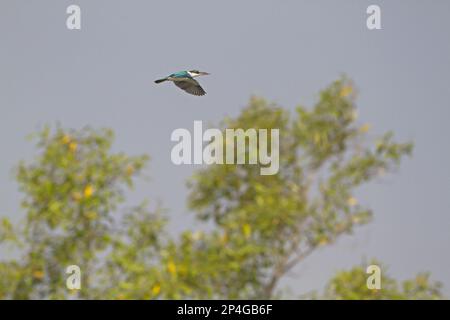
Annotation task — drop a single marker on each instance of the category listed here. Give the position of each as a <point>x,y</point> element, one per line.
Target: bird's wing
<point>190,86</point>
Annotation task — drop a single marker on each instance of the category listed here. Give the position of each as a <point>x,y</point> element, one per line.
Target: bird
<point>185,81</point>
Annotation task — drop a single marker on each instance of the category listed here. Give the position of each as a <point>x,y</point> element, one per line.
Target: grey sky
<point>283,50</point>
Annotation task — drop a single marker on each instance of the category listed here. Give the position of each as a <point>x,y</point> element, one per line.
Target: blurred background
<point>285,52</point>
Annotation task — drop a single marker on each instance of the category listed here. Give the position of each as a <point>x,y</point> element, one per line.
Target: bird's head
<point>196,73</point>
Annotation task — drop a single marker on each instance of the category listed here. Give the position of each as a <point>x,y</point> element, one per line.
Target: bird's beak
<point>204,73</point>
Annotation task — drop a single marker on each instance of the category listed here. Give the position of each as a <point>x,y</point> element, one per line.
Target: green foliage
<point>351,285</point>
<point>260,226</point>
<point>72,193</point>
<point>324,157</point>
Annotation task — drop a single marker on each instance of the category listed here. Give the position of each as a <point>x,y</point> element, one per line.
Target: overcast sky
<point>285,51</point>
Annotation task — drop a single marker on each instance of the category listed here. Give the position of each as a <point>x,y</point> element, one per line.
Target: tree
<point>72,193</point>
<point>351,285</point>
<point>275,222</point>
<point>260,227</point>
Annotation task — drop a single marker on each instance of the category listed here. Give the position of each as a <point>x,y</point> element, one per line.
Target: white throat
<point>193,75</point>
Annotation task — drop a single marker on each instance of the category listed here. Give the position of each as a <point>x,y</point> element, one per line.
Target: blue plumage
<point>181,74</point>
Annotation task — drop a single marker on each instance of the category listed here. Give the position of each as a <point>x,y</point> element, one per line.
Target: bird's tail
<point>160,80</point>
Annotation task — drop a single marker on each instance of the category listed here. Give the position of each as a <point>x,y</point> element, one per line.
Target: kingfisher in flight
<point>185,81</point>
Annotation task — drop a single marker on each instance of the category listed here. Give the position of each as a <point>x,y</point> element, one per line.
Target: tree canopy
<point>261,227</point>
